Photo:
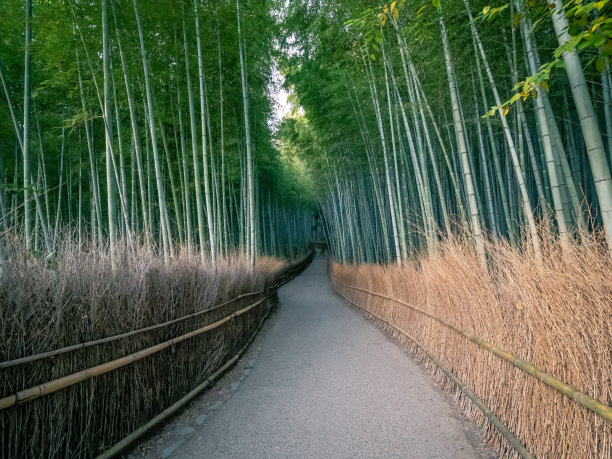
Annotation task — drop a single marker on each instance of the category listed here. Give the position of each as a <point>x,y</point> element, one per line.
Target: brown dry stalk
<point>556,315</point>
<point>509,436</point>
<point>583,399</point>
<point>97,342</point>
<point>49,387</point>
<point>76,297</point>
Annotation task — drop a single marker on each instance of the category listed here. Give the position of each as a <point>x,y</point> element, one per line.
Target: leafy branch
<point>590,29</point>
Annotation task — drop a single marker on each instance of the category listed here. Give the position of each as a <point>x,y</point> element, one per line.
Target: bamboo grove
<point>137,121</point>
<point>424,119</point>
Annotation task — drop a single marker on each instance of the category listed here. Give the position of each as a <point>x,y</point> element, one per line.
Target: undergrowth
<point>556,315</point>
<point>76,295</point>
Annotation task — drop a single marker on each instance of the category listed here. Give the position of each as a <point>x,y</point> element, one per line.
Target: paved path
<point>326,383</point>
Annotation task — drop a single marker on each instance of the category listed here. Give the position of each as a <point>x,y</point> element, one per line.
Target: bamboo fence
<point>128,395</point>
<point>488,377</point>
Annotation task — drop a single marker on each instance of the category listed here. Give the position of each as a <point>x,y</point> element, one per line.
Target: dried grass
<point>557,316</point>
<point>75,297</point>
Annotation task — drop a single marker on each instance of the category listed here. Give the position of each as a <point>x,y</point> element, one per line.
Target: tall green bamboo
<point>588,121</point>
<point>252,243</point>
<point>158,178</point>
<point>461,143</point>
<point>27,89</point>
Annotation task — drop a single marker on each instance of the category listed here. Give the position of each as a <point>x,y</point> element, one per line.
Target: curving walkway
<point>325,383</point>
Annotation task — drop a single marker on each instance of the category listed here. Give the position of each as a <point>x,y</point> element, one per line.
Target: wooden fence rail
<point>568,390</point>
<point>109,339</point>
<point>55,385</point>
<point>499,425</point>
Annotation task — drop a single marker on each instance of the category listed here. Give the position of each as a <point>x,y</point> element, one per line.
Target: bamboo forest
<point>306,228</point>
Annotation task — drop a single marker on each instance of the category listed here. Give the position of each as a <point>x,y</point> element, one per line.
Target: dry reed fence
<point>77,297</point>
<point>557,316</point>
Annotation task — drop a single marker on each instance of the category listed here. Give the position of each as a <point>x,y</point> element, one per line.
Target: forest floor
<point>320,381</point>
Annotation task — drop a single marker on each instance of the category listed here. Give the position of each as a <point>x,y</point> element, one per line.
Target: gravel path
<point>321,382</point>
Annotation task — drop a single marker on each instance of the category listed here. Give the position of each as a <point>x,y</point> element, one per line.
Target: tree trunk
<point>27,89</point>
<point>158,178</point>
<point>110,185</point>
<point>249,155</point>
<point>203,114</point>
<point>467,172</point>
<point>588,121</point>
